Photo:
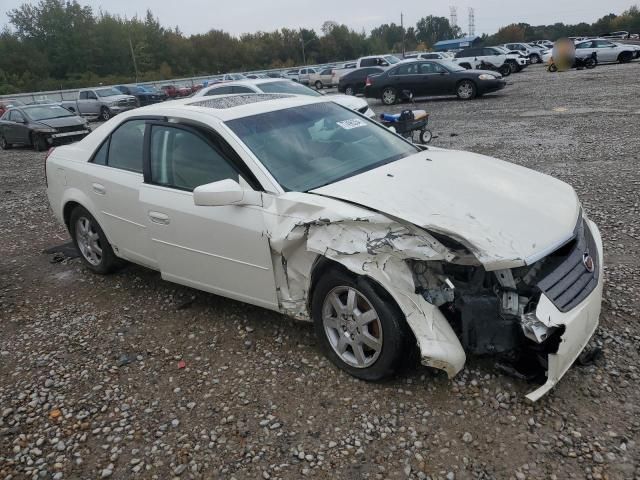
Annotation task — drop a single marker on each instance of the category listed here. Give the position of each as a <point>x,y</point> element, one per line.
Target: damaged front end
<point>531,317</point>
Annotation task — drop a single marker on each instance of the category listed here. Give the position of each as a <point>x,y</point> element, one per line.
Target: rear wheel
<point>466,90</point>
<point>505,70</point>
<point>89,239</point>
<point>349,90</point>
<point>389,96</point>
<point>535,58</point>
<point>360,328</point>
<point>4,145</point>
<point>318,85</point>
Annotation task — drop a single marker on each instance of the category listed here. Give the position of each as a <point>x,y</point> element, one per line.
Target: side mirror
<point>225,192</point>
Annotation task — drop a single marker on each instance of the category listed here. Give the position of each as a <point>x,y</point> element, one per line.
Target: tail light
<point>49,152</point>
<point>369,83</point>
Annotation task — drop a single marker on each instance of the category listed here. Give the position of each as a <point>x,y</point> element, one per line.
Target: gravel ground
<point>128,376</point>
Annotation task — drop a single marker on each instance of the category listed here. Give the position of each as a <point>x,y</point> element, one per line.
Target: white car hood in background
<point>507,215</point>
<point>349,101</point>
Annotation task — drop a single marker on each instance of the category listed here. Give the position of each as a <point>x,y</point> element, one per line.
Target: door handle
<point>159,218</point>
<point>98,188</point>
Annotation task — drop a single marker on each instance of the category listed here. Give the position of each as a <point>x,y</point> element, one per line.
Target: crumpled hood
<point>507,215</point>
<point>70,121</point>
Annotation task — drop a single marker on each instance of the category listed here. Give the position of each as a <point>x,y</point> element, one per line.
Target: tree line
<point>57,44</point>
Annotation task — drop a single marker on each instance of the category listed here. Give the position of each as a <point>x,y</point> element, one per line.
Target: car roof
<point>227,107</point>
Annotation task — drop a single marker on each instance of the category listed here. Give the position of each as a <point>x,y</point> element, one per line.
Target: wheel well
<point>66,212</point>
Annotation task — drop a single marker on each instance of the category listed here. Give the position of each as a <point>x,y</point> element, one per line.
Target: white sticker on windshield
<point>352,123</point>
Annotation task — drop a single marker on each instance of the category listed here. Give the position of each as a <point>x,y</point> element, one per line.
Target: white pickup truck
<point>100,102</point>
<point>369,61</point>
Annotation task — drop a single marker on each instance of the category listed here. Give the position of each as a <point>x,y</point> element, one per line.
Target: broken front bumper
<point>579,323</point>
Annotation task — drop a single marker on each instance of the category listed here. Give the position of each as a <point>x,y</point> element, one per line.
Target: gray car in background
<point>100,102</point>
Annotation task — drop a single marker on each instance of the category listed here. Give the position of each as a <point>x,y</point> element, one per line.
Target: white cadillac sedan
<point>302,206</point>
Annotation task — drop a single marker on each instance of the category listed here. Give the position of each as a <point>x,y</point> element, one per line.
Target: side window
<point>407,69</point>
<point>584,45</point>
<point>182,159</point>
<point>368,62</point>
<point>100,157</point>
<point>489,52</point>
<point>241,89</point>
<point>83,95</point>
<point>220,91</point>
<point>91,96</point>
<point>126,146</point>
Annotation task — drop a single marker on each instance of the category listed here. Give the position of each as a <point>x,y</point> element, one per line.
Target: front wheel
<point>625,57</point>
<point>318,85</point>
<point>535,58</point>
<point>39,143</point>
<point>105,114</point>
<point>89,239</point>
<point>349,90</point>
<point>466,90</point>
<point>505,70</point>
<point>389,96</point>
<point>360,332</point>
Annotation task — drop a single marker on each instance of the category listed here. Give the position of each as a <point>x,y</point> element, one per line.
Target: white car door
<point>607,51</point>
<point>113,180</point>
<point>221,249</point>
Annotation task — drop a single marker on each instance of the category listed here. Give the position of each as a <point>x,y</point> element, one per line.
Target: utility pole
<point>304,58</point>
<point>133,55</point>
<point>472,22</point>
<point>403,33</point>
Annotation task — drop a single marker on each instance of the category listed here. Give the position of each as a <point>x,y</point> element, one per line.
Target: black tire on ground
<point>318,85</point>
<point>398,343</point>
<point>105,113</point>
<point>4,145</point>
<point>349,90</point>
<point>466,90</point>
<point>625,57</point>
<point>389,96</point>
<point>38,142</point>
<point>108,262</point>
<point>505,70</point>
<point>425,136</point>
<point>552,67</point>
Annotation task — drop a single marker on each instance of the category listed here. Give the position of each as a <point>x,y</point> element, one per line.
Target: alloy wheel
<point>389,96</point>
<point>352,326</point>
<point>88,241</point>
<point>465,90</point>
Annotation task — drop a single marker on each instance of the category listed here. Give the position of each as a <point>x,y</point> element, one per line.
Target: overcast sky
<point>198,16</point>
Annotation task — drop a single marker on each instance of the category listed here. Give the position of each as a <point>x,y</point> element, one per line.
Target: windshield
<point>314,145</point>
<point>107,92</point>
<point>46,112</point>
<point>286,86</point>
<point>391,59</point>
<point>452,67</point>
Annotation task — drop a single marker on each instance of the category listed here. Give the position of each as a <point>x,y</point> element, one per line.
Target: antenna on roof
<point>472,22</point>
<point>453,11</point>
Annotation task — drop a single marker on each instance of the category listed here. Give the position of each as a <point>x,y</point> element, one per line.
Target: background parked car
<point>353,83</point>
<point>606,50</point>
<point>534,53</point>
<point>431,77</point>
<point>40,126</point>
<point>477,57</point>
<point>283,86</point>
<point>300,75</point>
<point>622,35</point>
<point>142,96</point>
<point>154,90</point>
<point>100,102</point>
<point>8,103</point>
<point>170,90</point>
<point>322,79</point>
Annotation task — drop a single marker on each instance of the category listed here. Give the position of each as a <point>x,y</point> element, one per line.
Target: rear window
<point>287,86</point>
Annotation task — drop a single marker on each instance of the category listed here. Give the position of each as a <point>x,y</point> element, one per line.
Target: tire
<point>535,58</point>
<point>466,90</point>
<point>389,96</point>
<point>349,90</point>
<point>513,67</point>
<point>91,242</point>
<point>425,136</point>
<point>318,85</point>
<point>590,63</point>
<point>105,113</point>
<point>371,350</point>
<point>552,67</point>
<point>625,57</point>
<point>38,142</point>
<point>505,70</point>
<point>4,145</point>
